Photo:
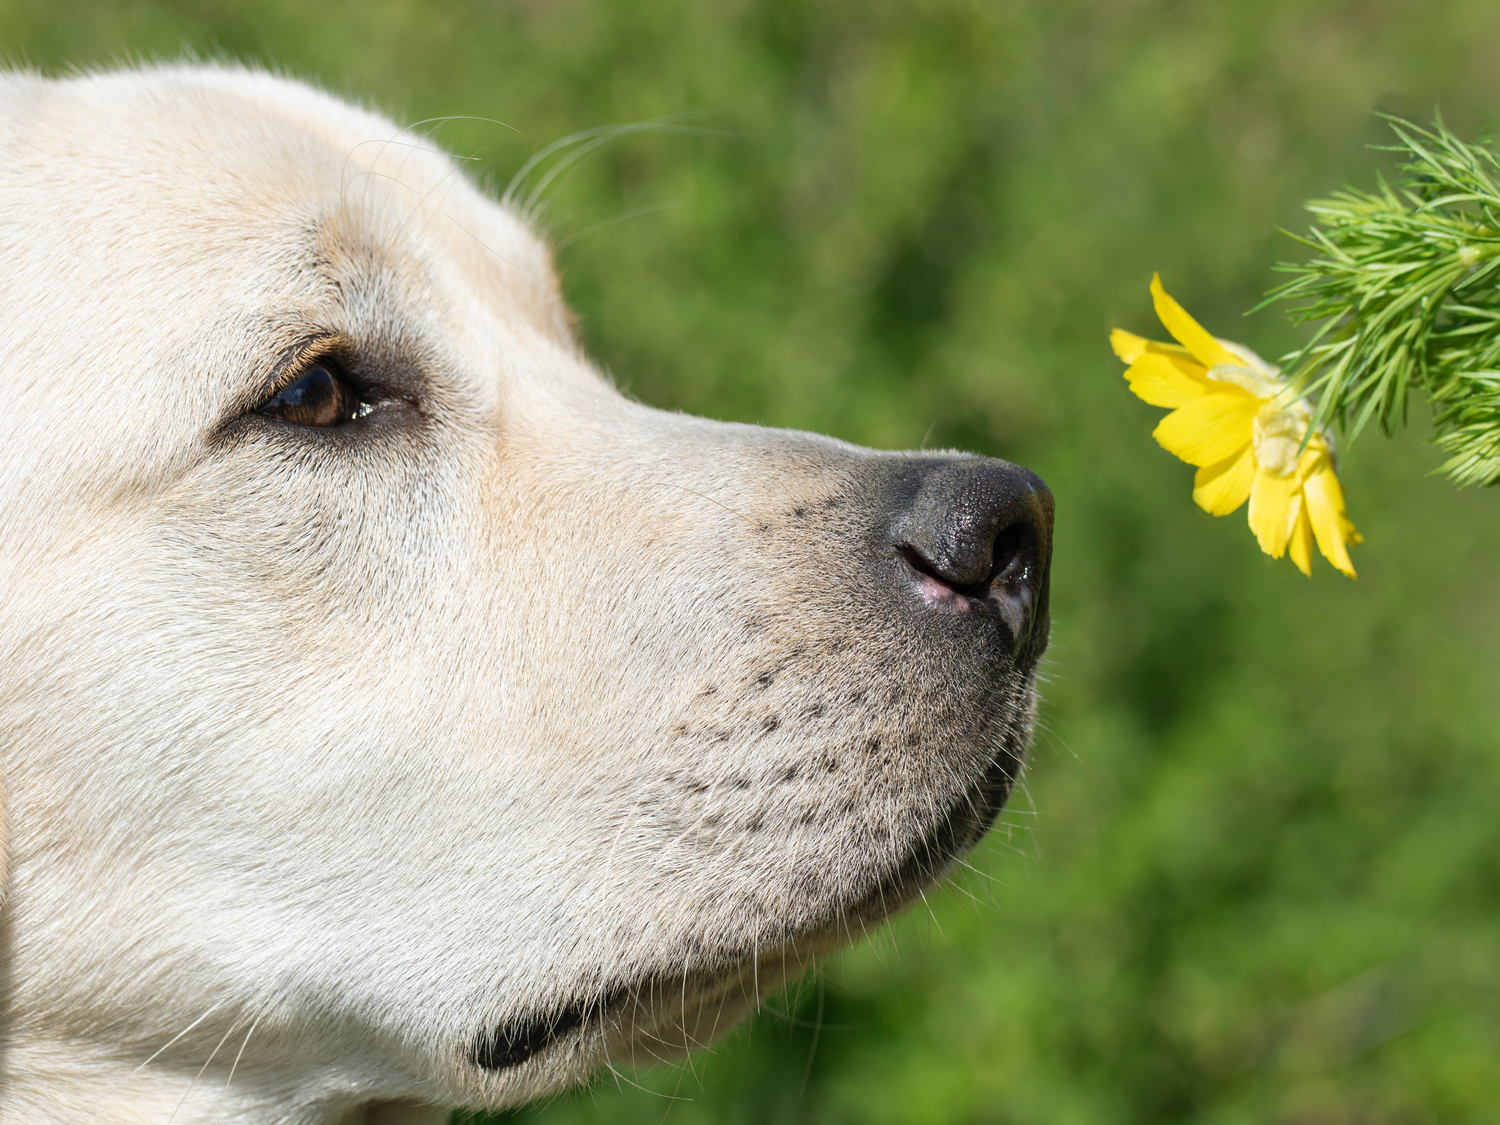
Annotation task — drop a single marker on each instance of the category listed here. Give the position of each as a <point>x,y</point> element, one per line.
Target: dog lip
<point>515,1042</point>
<point>512,1044</point>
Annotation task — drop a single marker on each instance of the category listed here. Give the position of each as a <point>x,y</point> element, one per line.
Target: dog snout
<point>978,537</point>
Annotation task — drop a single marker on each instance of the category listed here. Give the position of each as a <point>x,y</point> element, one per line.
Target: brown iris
<point>317,397</point>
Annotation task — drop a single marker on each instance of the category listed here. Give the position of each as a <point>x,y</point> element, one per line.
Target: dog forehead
<point>228,194</point>
<point>256,145</point>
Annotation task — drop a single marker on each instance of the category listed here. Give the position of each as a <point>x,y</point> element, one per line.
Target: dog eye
<point>320,396</point>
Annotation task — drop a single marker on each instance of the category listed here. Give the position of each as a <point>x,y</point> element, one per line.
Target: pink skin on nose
<point>938,596</point>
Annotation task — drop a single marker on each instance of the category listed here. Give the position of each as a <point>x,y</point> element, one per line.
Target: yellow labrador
<point>393,712</point>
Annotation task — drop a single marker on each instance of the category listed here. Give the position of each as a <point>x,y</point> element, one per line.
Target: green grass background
<point>1255,876</point>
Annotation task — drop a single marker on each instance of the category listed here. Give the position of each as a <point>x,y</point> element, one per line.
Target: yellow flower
<point>1233,416</point>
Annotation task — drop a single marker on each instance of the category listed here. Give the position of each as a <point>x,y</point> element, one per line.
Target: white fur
<point>320,759</point>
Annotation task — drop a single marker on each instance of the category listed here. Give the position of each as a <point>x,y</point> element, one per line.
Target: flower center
<point>1278,435</point>
<point>1252,373</point>
<point>1260,383</point>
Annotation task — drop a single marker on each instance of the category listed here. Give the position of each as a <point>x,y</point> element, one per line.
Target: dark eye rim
<point>363,397</point>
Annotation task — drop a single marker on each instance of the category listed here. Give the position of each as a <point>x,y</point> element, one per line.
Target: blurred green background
<point>1255,873</point>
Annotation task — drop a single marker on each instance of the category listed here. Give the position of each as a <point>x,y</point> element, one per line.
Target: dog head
<point>391,708</point>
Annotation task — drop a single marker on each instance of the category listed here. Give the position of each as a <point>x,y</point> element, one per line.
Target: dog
<point>397,717</point>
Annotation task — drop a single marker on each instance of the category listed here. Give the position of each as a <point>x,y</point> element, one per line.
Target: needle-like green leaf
<point>1404,283</point>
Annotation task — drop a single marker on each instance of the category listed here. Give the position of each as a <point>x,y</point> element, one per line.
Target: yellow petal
<point>1330,523</point>
<point>1275,502</point>
<point>1188,332</point>
<point>1128,346</point>
<point>1163,381</point>
<point>1210,428</point>
<point>1300,547</point>
<point>1222,487</point>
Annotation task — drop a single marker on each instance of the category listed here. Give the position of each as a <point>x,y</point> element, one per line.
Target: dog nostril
<point>1009,557</point>
<point>979,533</point>
<point>977,565</point>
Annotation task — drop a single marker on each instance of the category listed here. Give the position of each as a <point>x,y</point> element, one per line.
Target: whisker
<point>634,212</point>
<point>461,117</point>
<point>966,865</point>
<point>254,1024</point>
<point>812,1051</point>
<point>711,500</point>
<point>569,166</point>
<point>417,207</point>
<point>755,968</point>
<point>499,257</point>
<point>643,1089</point>
<point>345,180</point>
<point>661,124</point>
<point>229,1031</point>
<point>532,208</point>
<point>435,122</point>
<point>932,914</point>
<point>120,1084</point>
<point>682,1072</point>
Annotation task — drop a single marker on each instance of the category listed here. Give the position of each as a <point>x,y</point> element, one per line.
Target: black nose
<point>978,537</point>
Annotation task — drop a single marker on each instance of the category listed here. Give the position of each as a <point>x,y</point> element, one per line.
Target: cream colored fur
<point>321,756</point>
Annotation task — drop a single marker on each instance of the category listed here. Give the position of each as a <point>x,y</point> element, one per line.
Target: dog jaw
<point>333,757</point>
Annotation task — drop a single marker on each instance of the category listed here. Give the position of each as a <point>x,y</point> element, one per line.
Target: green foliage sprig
<point>1406,284</point>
